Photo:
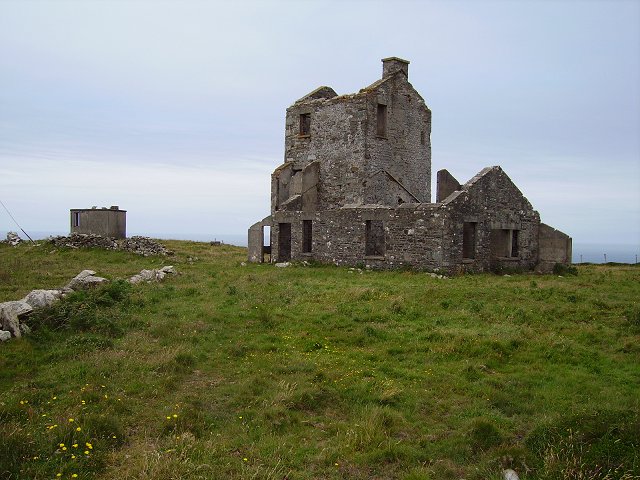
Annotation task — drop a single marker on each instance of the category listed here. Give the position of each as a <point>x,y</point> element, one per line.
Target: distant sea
<point>582,252</point>
<point>605,252</point>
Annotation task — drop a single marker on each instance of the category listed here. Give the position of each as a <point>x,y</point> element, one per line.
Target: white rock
<point>171,269</point>
<point>148,275</point>
<point>4,335</point>
<point>90,281</point>
<point>84,274</point>
<point>151,275</point>
<point>509,474</point>
<point>9,316</point>
<point>143,276</point>
<point>42,298</point>
<point>84,279</point>
<point>17,307</point>
<point>13,239</point>
<point>283,264</point>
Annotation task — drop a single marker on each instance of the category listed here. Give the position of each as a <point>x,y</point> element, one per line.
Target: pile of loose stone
<point>143,246</point>
<point>140,245</point>
<point>83,240</point>
<point>14,313</point>
<point>13,239</point>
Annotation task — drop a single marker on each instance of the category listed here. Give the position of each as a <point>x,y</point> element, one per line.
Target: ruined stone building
<point>355,188</point>
<point>107,222</point>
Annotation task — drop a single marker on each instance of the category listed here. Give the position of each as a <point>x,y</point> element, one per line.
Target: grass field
<point>256,372</point>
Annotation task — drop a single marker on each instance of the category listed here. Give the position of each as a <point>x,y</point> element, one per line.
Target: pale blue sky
<point>174,110</point>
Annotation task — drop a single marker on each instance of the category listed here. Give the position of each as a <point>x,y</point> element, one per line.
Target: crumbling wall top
<point>319,93</point>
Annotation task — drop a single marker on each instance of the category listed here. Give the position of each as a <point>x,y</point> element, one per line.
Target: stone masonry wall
<point>425,236</point>
<point>492,202</point>
<point>405,151</point>
<point>336,140</point>
<point>365,186</point>
<point>357,165</point>
<point>412,236</point>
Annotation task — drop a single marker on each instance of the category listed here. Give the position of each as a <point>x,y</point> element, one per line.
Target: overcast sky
<point>174,110</point>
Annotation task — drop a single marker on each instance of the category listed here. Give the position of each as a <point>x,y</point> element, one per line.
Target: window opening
<point>307,239</point>
<point>266,242</point>
<point>514,243</point>
<point>469,240</point>
<point>382,121</point>
<point>284,242</point>
<point>504,243</point>
<point>374,238</point>
<point>76,219</point>
<point>305,124</point>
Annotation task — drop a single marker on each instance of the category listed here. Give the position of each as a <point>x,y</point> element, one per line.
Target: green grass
<point>231,371</point>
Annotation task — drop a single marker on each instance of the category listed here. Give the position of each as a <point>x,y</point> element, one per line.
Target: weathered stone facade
<point>355,189</point>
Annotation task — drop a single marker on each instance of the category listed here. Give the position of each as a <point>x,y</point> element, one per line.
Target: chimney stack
<point>392,65</point>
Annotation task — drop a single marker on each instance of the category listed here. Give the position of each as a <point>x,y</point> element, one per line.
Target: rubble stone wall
<point>358,163</point>
<point>141,245</point>
<point>359,168</point>
<point>404,152</point>
<point>411,236</point>
<point>424,236</point>
<point>493,203</point>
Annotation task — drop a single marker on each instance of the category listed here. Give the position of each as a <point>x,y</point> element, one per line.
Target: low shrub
<point>564,270</point>
<point>86,311</point>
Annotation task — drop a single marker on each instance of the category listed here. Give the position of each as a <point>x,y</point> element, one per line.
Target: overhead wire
<point>16,222</point>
